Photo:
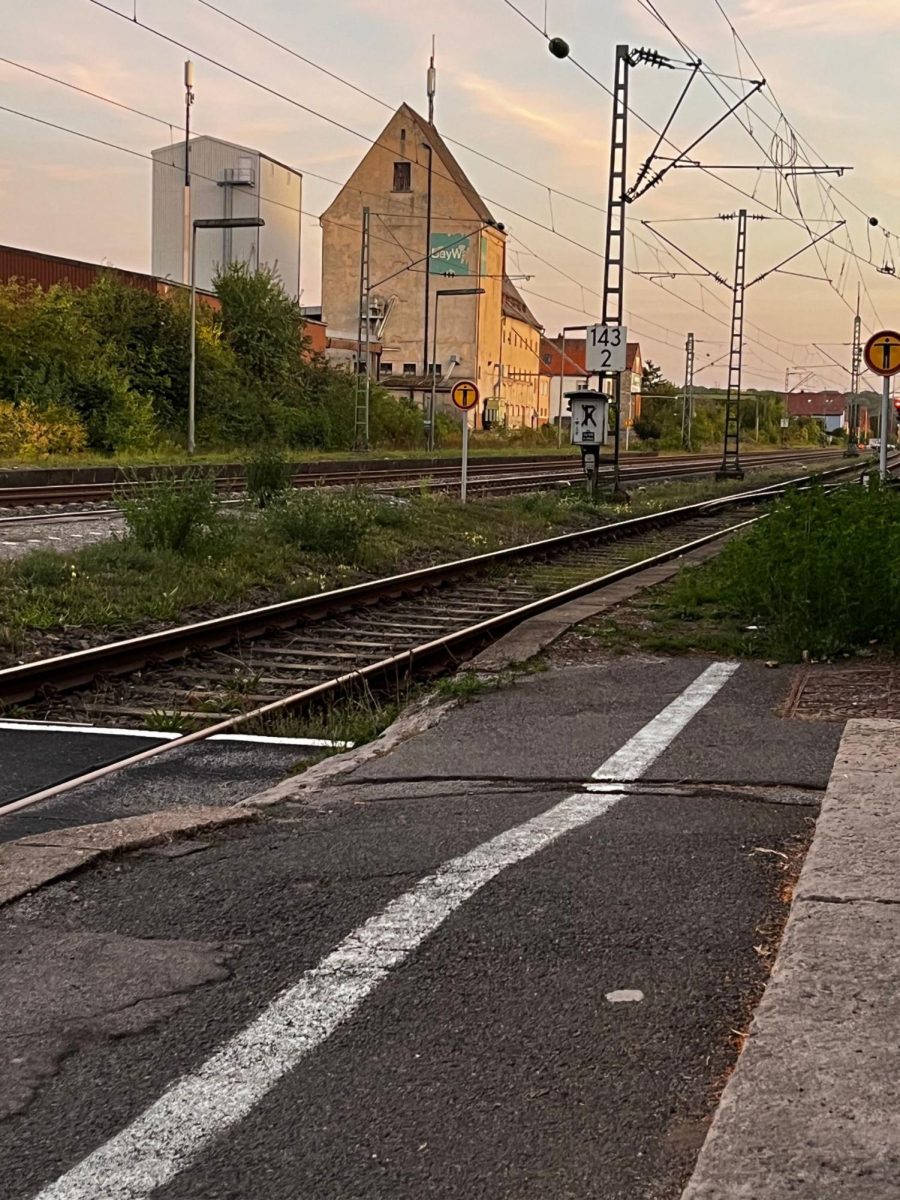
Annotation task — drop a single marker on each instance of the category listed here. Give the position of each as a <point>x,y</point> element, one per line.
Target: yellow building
<point>522,392</point>
<point>409,180</point>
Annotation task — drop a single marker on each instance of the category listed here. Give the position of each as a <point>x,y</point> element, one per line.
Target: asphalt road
<point>489,1060</point>
<point>216,772</point>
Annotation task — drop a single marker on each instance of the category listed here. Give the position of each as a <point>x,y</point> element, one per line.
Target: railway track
<point>494,478</point>
<point>254,667</point>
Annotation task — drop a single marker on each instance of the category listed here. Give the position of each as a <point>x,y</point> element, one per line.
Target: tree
<point>654,383</point>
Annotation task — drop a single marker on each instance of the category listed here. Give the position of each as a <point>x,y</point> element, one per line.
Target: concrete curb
<point>812,1110</point>
<point>31,862</point>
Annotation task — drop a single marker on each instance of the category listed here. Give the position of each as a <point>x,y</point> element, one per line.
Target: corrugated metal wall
<point>47,269</point>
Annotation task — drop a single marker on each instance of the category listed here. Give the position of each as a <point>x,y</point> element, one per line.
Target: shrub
<point>268,476</point>
<point>647,431</point>
<point>29,430</point>
<point>821,573</point>
<point>332,523</point>
<point>173,512</point>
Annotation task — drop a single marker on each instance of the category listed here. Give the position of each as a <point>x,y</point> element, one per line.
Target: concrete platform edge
<point>30,862</point>
<point>811,1110</point>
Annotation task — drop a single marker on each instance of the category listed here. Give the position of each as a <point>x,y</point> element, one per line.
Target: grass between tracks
<point>819,578</point>
<point>182,559</point>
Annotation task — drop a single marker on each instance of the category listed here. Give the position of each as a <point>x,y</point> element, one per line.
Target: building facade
<point>830,409</point>
<point>521,394</point>
<point>227,180</point>
<point>563,363</point>
<point>430,235</point>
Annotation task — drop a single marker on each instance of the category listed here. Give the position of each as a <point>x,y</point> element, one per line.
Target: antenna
<point>432,85</point>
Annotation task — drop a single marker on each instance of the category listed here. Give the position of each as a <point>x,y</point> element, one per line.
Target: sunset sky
<point>829,65</point>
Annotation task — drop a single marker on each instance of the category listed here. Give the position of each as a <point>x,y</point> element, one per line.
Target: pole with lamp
<point>205,223</point>
<point>432,402</point>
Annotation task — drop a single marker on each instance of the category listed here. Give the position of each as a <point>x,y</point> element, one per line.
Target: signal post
<point>882,355</point>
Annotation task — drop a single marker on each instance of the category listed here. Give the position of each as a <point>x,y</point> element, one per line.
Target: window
<point>436,368</point>
<point>409,368</point>
<point>385,368</point>
<point>402,177</point>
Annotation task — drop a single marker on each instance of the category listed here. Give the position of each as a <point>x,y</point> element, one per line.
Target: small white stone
<point>625,996</point>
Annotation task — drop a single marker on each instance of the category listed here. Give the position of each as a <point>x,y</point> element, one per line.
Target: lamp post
<point>437,299</point>
<point>205,223</point>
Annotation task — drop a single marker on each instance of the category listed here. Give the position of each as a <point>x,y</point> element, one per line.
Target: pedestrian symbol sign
<point>882,353</point>
<point>588,418</point>
<point>464,394</point>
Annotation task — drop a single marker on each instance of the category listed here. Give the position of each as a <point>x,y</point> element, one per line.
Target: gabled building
<point>563,363</point>
<point>430,234</point>
<point>830,409</point>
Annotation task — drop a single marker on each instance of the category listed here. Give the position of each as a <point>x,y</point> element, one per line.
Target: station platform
<point>511,951</point>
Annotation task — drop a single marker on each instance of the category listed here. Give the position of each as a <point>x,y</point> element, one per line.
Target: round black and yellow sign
<point>882,353</point>
<point>464,394</point>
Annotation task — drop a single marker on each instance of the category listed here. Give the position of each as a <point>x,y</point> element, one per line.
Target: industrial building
<point>227,180</point>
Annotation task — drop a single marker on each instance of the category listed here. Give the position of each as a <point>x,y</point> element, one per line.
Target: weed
<point>331,523</point>
<point>268,475</point>
<point>165,721</point>
<point>172,512</point>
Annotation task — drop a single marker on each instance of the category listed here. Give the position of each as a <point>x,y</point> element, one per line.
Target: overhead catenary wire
<point>499,204</point>
<point>506,208</point>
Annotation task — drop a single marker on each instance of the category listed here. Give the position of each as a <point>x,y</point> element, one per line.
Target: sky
<point>827,65</point>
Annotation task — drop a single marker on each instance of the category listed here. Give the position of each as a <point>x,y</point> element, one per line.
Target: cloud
<point>823,16</point>
<point>530,112</point>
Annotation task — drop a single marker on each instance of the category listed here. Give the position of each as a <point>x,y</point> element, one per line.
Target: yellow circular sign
<point>882,353</point>
<point>464,394</point>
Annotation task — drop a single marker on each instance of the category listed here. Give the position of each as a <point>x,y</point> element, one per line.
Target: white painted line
<point>261,739</point>
<point>645,747</point>
<point>169,1135</point>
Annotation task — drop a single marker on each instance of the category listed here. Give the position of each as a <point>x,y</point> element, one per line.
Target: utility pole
<point>614,250</point>
<point>687,400</point>
<point>186,229</point>
<point>855,371</point>
<point>731,451</point>
<point>361,424</point>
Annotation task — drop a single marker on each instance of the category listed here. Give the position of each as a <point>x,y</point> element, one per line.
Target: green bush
<point>332,523</point>
<point>820,574</point>
<point>176,513</point>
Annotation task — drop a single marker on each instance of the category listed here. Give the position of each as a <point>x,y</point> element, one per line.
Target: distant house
<point>563,362</point>
<point>830,409</point>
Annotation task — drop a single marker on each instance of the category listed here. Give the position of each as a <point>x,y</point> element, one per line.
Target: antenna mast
<point>432,84</point>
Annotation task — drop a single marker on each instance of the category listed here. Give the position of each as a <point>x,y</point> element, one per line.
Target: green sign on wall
<point>450,254</point>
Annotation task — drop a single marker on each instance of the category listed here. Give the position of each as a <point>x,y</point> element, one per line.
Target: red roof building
<point>832,409</point>
<point>563,359</point>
